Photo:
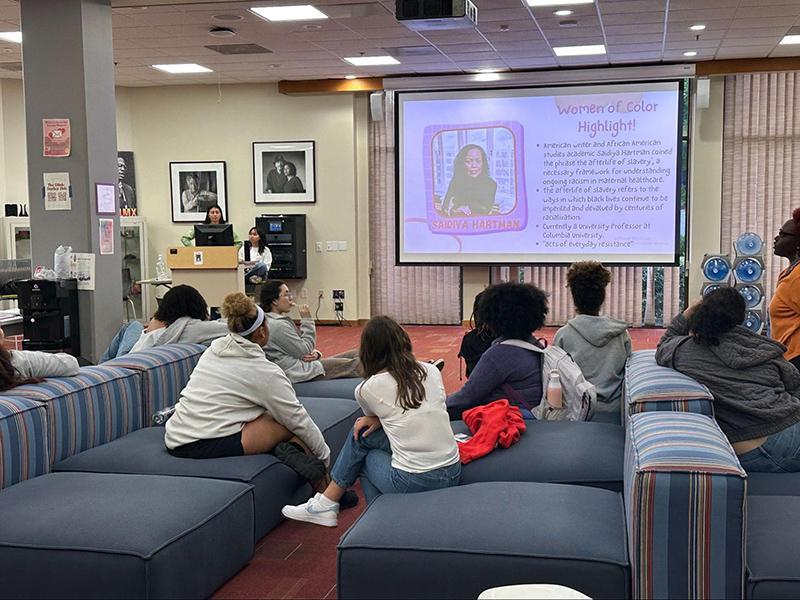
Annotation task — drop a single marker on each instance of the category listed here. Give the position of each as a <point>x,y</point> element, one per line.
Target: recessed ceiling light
<point>562,13</point>
<point>311,27</point>
<point>350,77</point>
<point>579,50</point>
<point>537,3</point>
<point>372,61</point>
<point>488,76</point>
<point>790,39</point>
<point>690,53</point>
<point>698,27</point>
<point>304,12</point>
<point>182,68</point>
<point>12,36</point>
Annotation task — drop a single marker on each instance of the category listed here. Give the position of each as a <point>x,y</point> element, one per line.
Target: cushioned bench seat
<point>773,484</point>
<point>23,440</point>
<point>773,551</point>
<point>555,452</point>
<point>329,388</point>
<point>457,542</point>
<point>274,484</point>
<point>85,535</point>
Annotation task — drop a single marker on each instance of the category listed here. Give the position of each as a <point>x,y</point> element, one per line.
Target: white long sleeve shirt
<point>421,438</point>
<point>256,256</point>
<point>44,364</point>
<point>233,384</point>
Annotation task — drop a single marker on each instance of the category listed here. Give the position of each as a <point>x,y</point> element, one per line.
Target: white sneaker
<point>313,512</point>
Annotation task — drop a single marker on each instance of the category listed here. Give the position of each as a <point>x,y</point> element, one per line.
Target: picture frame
<point>106,196</point>
<point>296,184</point>
<point>195,187</point>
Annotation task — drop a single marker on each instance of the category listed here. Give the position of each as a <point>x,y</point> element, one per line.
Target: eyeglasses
<point>288,295</point>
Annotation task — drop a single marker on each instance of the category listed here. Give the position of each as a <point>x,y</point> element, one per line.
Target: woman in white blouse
<point>256,256</point>
<point>404,443</point>
<point>18,367</point>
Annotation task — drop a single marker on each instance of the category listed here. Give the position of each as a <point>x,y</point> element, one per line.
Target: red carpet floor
<point>298,560</point>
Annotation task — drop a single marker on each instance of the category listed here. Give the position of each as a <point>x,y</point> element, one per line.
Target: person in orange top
<point>784,308</point>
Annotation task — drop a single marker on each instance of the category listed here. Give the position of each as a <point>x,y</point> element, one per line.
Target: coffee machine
<point>49,311</point>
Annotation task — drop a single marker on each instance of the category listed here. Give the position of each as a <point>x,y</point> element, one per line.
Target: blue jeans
<point>369,459</point>
<point>259,269</point>
<point>125,339</point>
<point>779,454</point>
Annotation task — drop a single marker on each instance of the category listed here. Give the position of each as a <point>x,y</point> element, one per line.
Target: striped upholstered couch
<point>91,504</point>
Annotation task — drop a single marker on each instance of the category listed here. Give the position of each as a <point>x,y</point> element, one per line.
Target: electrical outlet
<point>331,246</point>
<point>338,306</point>
<point>321,294</point>
<point>304,293</point>
<point>338,294</point>
<point>318,246</point>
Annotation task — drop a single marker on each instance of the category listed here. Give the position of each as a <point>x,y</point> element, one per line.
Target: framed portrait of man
<point>195,187</point>
<point>284,172</point>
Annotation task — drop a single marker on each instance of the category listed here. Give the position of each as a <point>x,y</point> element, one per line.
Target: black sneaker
<point>348,500</point>
<point>308,467</point>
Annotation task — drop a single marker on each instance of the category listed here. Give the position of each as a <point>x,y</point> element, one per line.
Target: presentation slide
<point>539,175</point>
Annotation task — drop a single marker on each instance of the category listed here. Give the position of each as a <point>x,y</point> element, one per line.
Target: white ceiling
<point>510,36</point>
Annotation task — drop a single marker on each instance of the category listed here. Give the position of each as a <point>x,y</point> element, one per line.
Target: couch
<point>661,508</point>
<point>90,497</point>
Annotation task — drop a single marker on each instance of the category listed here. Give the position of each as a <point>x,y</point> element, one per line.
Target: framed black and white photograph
<point>126,182</point>
<point>195,187</point>
<point>284,172</point>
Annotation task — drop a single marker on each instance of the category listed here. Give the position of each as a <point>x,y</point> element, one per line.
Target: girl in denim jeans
<point>404,442</point>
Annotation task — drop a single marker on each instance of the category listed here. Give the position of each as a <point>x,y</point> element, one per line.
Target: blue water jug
<point>752,295</point>
<point>716,268</point>
<point>710,288</point>
<point>749,270</point>
<point>753,321</point>
<point>749,244</point>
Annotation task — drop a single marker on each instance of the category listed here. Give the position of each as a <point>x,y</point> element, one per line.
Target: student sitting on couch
<point>599,345</point>
<point>404,443</point>
<point>509,311</point>
<point>18,367</point>
<point>755,388</point>
<point>237,402</point>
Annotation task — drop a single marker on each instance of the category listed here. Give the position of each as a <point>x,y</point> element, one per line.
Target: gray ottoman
<point>773,484</point>
<point>84,535</point>
<point>773,553</point>
<point>329,388</point>
<point>555,452</point>
<point>457,542</point>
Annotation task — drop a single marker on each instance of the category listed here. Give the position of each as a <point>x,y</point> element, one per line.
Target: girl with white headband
<point>237,402</point>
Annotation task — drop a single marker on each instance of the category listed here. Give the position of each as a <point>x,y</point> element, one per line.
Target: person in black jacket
<point>293,184</point>
<point>476,341</point>
<point>471,191</point>
<point>275,178</point>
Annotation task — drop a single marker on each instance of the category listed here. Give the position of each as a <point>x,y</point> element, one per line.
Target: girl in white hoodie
<point>18,367</point>
<point>237,402</point>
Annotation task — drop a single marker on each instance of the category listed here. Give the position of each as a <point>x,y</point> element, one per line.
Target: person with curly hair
<point>599,345</point>
<point>756,390</point>
<point>509,311</point>
<point>784,308</point>
<point>476,341</point>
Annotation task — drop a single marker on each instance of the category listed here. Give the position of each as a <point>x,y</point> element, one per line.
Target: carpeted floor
<point>298,560</point>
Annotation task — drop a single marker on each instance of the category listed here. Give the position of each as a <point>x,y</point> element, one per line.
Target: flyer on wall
<point>56,137</point>
<point>106,236</point>
<point>57,192</point>
<point>82,269</point>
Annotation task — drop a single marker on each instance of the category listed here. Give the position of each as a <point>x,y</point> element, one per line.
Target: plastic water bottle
<point>554,397</point>
<point>162,416</point>
<point>161,268</point>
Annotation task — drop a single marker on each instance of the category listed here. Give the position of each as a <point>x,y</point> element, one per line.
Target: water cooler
<point>49,312</point>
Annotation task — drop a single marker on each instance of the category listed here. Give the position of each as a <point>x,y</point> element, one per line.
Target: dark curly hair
<point>587,280</point>
<point>181,301</point>
<point>796,217</point>
<point>269,293</point>
<point>512,310</point>
<point>718,313</point>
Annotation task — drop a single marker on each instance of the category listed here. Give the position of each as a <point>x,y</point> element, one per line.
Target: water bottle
<point>162,416</point>
<point>554,397</point>
<point>161,268</point>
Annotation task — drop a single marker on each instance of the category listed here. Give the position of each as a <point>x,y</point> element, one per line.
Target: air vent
<point>412,51</point>
<point>238,49</point>
<point>16,67</point>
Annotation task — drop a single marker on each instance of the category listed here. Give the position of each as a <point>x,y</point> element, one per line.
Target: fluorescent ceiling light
<point>579,50</point>
<point>304,12</point>
<point>12,36</point>
<point>562,13</point>
<point>690,53</point>
<point>790,39</point>
<point>487,76</point>
<point>698,27</point>
<point>350,77</point>
<point>538,3</point>
<point>182,68</point>
<point>372,61</point>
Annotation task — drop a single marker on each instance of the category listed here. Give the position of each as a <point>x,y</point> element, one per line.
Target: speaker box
<point>376,106</point>
<point>429,9</point>
<point>703,92</point>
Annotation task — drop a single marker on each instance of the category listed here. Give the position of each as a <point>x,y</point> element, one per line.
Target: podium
<point>214,271</point>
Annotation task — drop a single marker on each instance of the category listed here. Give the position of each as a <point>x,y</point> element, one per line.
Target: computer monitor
<point>209,234</point>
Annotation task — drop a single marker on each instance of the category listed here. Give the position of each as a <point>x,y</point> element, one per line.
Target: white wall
<point>13,170</point>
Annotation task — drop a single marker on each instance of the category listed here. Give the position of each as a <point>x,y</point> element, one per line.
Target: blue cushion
<point>335,417</point>
<point>23,440</point>
<point>329,388</point>
<point>773,484</point>
<point>773,552</point>
<point>457,542</point>
<point>554,452</point>
<point>122,536</point>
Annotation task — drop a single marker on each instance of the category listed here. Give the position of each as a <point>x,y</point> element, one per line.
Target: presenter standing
<point>213,216</point>
<point>471,191</point>
<point>784,308</point>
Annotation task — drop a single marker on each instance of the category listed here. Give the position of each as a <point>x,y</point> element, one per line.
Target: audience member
<point>256,256</point>
<point>295,351</point>
<point>404,443</point>
<point>599,345</point>
<point>181,318</point>
<point>784,308</point>
<point>509,311</point>
<point>476,341</point>
<point>18,367</point>
<point>237,402</point>
<point>755,388</point>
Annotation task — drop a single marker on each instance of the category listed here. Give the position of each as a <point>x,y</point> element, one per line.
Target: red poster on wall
<point>56,134</point>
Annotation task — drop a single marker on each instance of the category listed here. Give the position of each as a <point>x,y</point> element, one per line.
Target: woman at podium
<point>213,216</point>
